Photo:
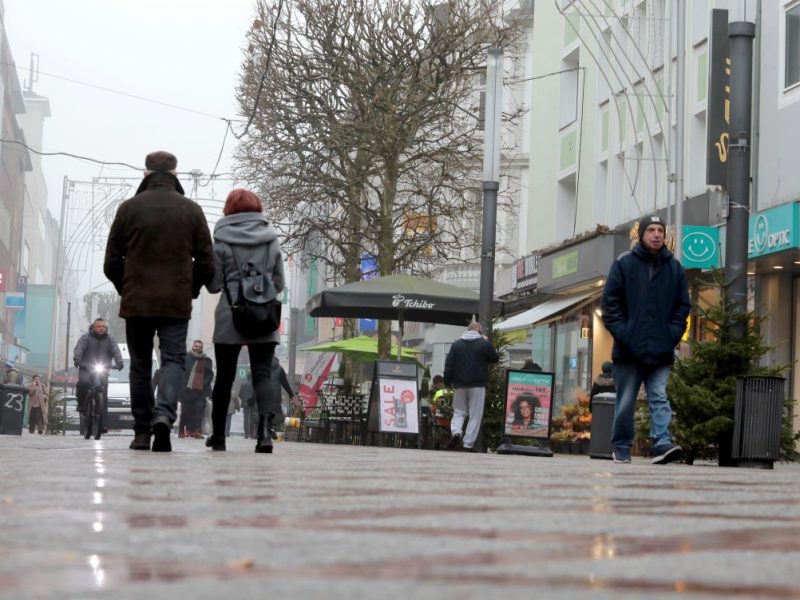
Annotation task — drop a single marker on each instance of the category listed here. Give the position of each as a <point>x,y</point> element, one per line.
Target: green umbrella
<point>362,348</point>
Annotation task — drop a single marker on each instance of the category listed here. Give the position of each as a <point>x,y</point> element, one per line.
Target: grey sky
<point>181,52</point>
<point>185,53</point>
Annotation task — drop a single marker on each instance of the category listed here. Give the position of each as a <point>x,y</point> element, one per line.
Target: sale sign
<point>399,405</point>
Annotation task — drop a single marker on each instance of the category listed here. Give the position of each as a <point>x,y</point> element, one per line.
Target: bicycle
<point>95,404</point>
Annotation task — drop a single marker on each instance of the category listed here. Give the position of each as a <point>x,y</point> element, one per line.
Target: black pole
<point>294,325</point>
<point>488,231</point>
<point>66,368</point>
<point>66,353</point>
<point>741,35</point>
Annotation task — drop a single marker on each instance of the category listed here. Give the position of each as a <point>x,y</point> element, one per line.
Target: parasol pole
<point>400,336</point>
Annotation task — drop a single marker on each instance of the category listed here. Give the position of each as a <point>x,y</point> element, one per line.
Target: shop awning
<point>542,311</point>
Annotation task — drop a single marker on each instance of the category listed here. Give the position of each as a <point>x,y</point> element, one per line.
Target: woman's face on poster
<point>525,409</point>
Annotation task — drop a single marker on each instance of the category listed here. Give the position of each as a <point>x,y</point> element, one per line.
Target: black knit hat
<point>160,161</point>
<point>650,220</point>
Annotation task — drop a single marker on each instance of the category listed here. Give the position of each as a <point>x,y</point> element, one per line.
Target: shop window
<point>792,46</point>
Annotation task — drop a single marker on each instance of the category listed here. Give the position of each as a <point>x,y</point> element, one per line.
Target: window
<point>792,46</point>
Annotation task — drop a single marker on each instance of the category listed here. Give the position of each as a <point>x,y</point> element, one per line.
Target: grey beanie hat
<point>650,220</point>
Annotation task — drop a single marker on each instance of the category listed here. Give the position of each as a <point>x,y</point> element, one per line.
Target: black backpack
<point>257,311</point>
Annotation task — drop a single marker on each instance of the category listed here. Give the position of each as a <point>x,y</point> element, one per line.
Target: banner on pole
<point>318,365</point>
<point>719,100</point>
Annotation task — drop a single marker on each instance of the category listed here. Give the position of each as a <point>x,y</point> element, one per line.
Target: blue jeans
<point>628,378</point>
<point>172,346</point>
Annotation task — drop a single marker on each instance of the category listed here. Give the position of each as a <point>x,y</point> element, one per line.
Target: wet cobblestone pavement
<point>86,519</point>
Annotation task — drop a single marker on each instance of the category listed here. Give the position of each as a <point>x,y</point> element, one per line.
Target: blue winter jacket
<point>467,363</point>
<point>645,306</point>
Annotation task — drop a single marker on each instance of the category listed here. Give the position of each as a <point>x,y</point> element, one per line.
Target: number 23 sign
<point>399,406</point>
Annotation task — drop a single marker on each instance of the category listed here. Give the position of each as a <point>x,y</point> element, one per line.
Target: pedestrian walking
<point>645,306</point>
<point>243,236</point>
<point>37,399</point>
<point>279,381</point>
<point>466,369</point>
<point>196,388</point>
<point>158,257</point>
<point>12,375</point>
<point>531,366</point>
<point>233,407</point>
<point>249,409</point>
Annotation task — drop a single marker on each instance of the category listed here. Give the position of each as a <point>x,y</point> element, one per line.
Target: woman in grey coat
<point>246,228</point>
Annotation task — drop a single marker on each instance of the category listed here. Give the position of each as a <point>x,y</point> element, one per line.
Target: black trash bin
<point>757,421</point>
<point>602,421</point>
<point>12,408</point>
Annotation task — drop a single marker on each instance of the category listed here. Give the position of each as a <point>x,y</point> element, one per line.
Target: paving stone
<point>86,519</point>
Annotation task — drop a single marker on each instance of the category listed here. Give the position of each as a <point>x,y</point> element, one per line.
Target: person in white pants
<point>466,369</point>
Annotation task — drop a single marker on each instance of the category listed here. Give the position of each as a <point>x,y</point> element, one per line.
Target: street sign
<point>2,281</point>
<point>15,300</point>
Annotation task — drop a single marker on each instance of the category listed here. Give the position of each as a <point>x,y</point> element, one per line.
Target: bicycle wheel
<point>88,415</point>
<point>99,412</point>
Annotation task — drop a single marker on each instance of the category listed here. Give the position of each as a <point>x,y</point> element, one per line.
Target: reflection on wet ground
<point>364,521</point>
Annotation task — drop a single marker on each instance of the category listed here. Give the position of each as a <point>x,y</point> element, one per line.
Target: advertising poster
<point>317,369</point>
<point>399,406</point>
<point>529,401</point>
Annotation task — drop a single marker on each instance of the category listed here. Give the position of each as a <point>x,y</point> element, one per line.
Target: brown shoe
<point>141,441</point>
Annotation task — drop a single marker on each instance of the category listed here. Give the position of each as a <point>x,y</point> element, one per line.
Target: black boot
<point>264,442</point>
<point>216,443</point>
<point>270,429</point>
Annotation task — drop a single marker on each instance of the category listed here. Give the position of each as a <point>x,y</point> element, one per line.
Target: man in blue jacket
<point>466,369</point>
<point>645,306</point>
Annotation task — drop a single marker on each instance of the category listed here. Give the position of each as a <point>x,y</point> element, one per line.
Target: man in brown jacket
<point>158,256</point>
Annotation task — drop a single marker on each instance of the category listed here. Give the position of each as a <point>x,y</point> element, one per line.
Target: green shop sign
<point>566,264</point>
<point>773,230</point>
<point>700,247</point>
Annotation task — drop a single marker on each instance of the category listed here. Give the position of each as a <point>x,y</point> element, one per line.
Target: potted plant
<point>572,431</point>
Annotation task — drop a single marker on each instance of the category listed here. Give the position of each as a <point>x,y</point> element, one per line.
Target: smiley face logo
<point>699,247</point>
<point>760,234</point>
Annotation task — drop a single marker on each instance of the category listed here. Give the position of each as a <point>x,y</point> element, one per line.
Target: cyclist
<point>95,347</point>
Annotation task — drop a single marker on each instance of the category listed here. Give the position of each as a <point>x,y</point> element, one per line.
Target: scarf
<point>196,380</point>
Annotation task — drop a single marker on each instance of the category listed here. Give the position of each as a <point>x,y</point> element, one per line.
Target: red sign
<point>317,369</point>
<point>338,322</point>
<point>2,281</point>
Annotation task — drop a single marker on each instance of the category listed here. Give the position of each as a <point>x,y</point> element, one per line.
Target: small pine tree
<point>702,387</point>
<point>424,387</point>
<point>495,407</point>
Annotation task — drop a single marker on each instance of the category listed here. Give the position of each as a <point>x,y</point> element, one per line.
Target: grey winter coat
<point>252,235</point>
<point>92,348</point>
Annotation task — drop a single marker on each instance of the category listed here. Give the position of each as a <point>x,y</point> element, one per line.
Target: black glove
<point>119,366</point>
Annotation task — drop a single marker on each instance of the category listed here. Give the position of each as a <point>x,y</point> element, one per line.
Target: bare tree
<point>362,129</point>
<point>105,305</point>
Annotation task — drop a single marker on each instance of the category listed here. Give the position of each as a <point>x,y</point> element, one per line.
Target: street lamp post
<point>741,35</point>
<point>491,180</point>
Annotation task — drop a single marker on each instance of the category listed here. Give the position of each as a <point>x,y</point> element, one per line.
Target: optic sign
<point>400,301</point>
<point>700,247</point>
<point>773,230</point>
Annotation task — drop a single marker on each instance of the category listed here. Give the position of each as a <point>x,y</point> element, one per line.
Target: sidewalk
<point>85,519</point>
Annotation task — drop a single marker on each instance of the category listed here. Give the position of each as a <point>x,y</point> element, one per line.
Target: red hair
<point>241,200</point>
